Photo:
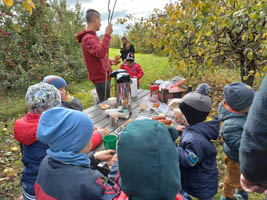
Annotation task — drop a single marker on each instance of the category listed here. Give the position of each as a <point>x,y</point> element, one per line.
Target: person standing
<point>232,111</point>
<point>253,145</point>
<point>95,53</point>
<point>127,48</point>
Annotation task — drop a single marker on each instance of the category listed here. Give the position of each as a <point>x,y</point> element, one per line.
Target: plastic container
<point>134,87</point>
<point>114,118</point>
<point>110,142</point>
<point>154,93</point>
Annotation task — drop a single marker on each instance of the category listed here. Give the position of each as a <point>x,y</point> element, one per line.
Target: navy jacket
<point>33,151</point>
<point>231,130</point>
<point>61,181</point>
<point>253,146</point>
<point>74,104</point>
<point>197,157</point>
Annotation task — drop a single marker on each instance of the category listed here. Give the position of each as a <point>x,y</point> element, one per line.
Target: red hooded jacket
<point>95,55</point>
<point>134,71</point>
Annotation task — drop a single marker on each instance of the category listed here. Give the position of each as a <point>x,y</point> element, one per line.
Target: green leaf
<point>237,29</point>
<point>245,78</point>
<point>258,27</point>
<point>250,55</point>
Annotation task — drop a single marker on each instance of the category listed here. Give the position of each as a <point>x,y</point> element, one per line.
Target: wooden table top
<point>101,120</point>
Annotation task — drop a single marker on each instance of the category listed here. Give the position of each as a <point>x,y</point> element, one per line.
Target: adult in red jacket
<point>132,68</point>
<point>95,53</point>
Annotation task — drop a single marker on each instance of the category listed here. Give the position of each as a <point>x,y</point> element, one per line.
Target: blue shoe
<point>224,198</point>
<point>241,195</point>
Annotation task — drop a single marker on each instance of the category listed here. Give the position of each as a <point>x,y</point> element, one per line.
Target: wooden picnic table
<point>101,120</point>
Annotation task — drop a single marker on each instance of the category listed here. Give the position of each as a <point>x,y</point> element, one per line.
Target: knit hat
<point>238,95</point>
<point>41,97</point>
<point>57,81</point>
<point>130,56</point>
<point>197,105</point>
<point>65,129</point>
<point>148,160</point>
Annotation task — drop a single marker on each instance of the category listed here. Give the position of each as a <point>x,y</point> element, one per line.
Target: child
<point>148,162</point>
<point>73,103</point>
<point>132,68</point>
<point>68,172</point>
<point>197,154</point>
<point>67,100</point>
<point>39,97</point>
<point>233,111</point>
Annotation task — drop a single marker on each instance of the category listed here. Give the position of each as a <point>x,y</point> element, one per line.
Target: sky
<point>137,8</point>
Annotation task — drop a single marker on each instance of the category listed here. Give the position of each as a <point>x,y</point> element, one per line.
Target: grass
<point>12,106</point>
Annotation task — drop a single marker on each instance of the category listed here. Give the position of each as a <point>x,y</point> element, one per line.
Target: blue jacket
<point>231,131</point>
<point>197,157</point>
<point>253,146</point>
<point>57,180</point>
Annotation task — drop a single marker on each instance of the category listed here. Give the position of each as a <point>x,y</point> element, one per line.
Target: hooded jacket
<point>34,151</point>
<point>197,156</point>
<point>148,163</point>
<point>231,131</point>
<point>60,181</point>
<point>134,71</point>
<point>95,55</point>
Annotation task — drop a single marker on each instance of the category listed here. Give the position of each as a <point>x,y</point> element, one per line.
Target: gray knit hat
<point>199,99</point>
<point>238,95</point>
<point>42,96</point>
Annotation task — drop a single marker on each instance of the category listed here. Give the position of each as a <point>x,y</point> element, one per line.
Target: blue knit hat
<point>57,81</point>
<point>41,97</point>
<point>148,161</point>
<point>238,95</point>
<point>64,130</point>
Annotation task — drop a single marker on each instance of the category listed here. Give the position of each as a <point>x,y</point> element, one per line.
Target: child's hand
<point>95,128</point>
<point>115,62</point>
<point>180,128</point>
<point>250,187</point>
<point>112,160</point>
<point>104,155</point>
<point>104,131</point>
<point>65,97</point>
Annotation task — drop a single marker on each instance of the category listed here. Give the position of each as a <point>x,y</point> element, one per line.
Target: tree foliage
<point>33,46</point>
<point>115,41</point>
<point>138,34</point>
<point>203,34</point>
<point>27,4</point>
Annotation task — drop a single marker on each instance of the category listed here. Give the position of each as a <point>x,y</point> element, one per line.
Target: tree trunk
<point>248,70</point>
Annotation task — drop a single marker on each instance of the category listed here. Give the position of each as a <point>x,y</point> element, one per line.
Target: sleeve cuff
<point>71,99</point>
<point>101,133</point>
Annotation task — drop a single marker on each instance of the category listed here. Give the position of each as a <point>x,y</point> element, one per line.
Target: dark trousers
<point>100,89</point>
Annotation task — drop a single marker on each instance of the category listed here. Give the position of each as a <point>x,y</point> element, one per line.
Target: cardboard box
<point>165,95</point>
